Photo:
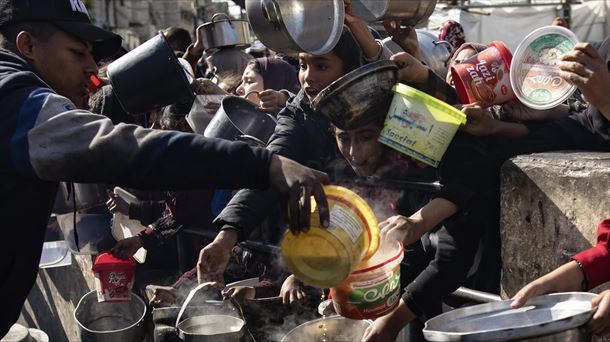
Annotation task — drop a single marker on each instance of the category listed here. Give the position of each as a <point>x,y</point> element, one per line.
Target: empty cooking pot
<point>110,322</point>
<point>297,25</point>
<point>149,77</point>
<point>239,119</point>
<point>220,33</point>
<point>411,12</point>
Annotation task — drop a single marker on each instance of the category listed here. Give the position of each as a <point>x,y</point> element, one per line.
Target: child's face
<point>360,148</point>
<point>251,81</point>
<point>317,72</point>
<point>461,56</point>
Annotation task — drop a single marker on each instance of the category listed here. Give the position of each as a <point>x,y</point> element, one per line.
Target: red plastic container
<point>484,77</point>
<point>113,278</point>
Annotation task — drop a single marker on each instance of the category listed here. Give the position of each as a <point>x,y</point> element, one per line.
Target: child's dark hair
<point>348,50</point>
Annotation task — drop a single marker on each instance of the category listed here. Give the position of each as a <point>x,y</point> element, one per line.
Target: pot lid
<point>496,321</point>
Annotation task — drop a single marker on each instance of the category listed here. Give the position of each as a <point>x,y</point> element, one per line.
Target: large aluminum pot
<point>110,322</point>
<point>411,12</point>
<point>335,328</point>
<point>224,33</point>
<point>548,318</point>
<point>312,26</point>
<point>359,96</point>
<point>239,119</point>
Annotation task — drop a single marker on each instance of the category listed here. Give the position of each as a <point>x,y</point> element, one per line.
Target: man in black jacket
<point>47,55</point>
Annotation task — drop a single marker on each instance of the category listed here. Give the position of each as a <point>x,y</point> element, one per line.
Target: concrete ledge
<point>551,204</point>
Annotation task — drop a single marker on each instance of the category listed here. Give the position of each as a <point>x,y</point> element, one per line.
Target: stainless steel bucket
<point>110,322</point>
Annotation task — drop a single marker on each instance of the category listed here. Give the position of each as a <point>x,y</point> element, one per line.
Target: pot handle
<point>274,16</point>
<point>220,15</point>
<point>441,42</point>
<point>250,140</point>
<point>250,93</point>
<point>189,298</point>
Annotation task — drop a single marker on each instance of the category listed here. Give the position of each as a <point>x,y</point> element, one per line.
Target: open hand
<point>585,67</point>
<point>401,228</point>
<point>292,291</point>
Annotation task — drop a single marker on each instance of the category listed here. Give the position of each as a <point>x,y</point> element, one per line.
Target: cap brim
<point>105,43</point>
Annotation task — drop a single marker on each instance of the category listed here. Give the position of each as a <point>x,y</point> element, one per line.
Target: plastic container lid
<point>431,101</point>
<point>533,75</point>
<point>107,260</point>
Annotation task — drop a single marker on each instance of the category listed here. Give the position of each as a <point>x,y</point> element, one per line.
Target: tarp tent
<point>590,20</point>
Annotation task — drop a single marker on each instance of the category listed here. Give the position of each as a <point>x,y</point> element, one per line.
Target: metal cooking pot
<point>110,322</point>
<point>435,52</point>
<point>297,25</point>
<point>553,317</point>
<point>85,196</point>
<point>239,119</point>
<point>210,327</point>
<point>412,12</point>
<point>336,328</point>
<point>149,76</point>
<point>224,33</point>
<point>359,95</point>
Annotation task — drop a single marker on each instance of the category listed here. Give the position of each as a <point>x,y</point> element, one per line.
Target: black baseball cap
<point>70,16</point>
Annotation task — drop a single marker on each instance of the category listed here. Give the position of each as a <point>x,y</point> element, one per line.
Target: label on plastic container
<point>370,297</point>
<point>113,286</point>
<point>341,218</point>
<point>537,73</point>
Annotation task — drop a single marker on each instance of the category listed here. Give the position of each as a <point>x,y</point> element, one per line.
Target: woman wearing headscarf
<point>269,82</point>
<point>452,32</point>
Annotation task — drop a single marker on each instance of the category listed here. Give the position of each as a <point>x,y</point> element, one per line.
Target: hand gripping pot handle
<point>273,16</point>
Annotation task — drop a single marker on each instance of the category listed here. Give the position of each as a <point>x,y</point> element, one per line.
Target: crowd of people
<point>56,128</point>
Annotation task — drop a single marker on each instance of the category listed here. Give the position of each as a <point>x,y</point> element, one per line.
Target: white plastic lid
<point>534,76</point>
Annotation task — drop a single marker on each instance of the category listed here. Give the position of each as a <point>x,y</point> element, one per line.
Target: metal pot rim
<point>138,321</point>
<point>349,78</point>
<point>550,327</point>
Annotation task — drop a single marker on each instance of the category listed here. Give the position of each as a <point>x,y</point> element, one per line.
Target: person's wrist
<point>227,237</point>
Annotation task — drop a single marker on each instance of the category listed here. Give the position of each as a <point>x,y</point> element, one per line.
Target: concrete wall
<point>550,208</point>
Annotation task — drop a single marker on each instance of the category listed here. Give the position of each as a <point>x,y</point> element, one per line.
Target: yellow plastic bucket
<point>324,257</point>
<point>420,125</point>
